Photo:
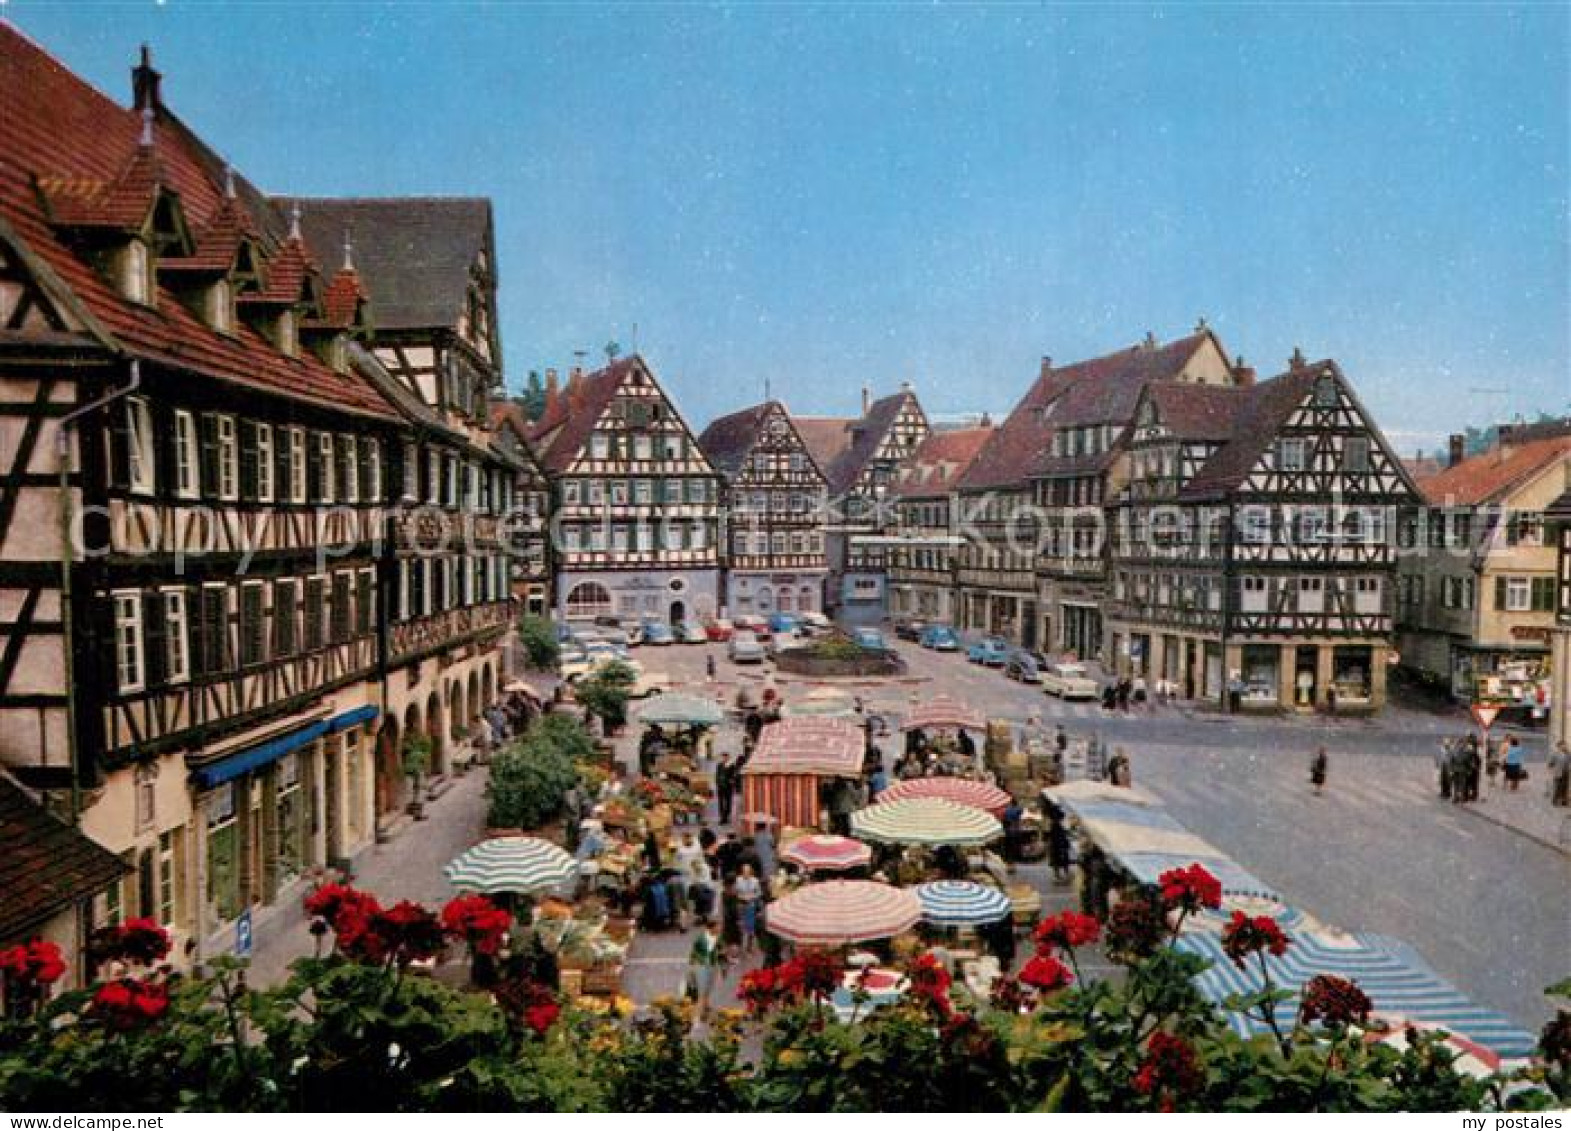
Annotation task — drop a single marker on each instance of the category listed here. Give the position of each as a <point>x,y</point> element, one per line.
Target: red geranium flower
<point>1169,1069</point>
<point>1136,926</point>
<point>36,963</point>
<point>1245,935</point>
<point>409,932</point>
<point>478,922</point>
<point>1008,996</point>
<point>815,973</point>
<point>930,981</point>
<point>760,990</point>
<point>530,1002</point>
<point>140,942</point>
<point>1067,930</point>
<point>1191,888</point>
<point>1336,1001</point>
<point>129,1003</point>
<point>1045,974</point>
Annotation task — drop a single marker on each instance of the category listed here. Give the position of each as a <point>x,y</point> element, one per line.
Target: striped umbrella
<point>677,709</point>
<point>943,712</point>
<point>827,853</point>
<point>837,912</point>
<point>962,903</point>
<point>925,820</point>
<point>977,794</point>
<point>522,865</point>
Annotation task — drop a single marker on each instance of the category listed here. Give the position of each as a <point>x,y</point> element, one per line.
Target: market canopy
<point>522,865</point>
<point>943,712</point>
<point>1085,789</point>
<point>821,853</point>
<point>1399,983</point>
<point>825,702</point>
<point>808,745</point>
<point>962,903</point>
<point>1147,868</point>
<point>977,794</point>
<point>837,912</point>
<point>925,820</point>
<point>677,709</point>
<point>1124,840</point>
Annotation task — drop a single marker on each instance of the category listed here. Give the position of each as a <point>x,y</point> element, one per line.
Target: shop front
<point>673,596</point>
<point>1260,675</point>
<point>765,593</point>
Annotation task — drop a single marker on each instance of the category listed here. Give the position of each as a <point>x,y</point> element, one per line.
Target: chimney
<point>551,393</point>
<point>1150,342</point>
<point>1296,362</point>
<point>867,400</point>
<point>1243,375</point>
<point>1047,365</point>
<point>987,418</point>
<point>144,83</point>
<point>1456,449</point>
<point>572,378</point>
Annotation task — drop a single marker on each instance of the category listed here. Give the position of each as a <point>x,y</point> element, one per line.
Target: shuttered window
<point>214,626</point>
<point>371,472</point>
<point>177,645</point>
<point>286,612</point>
<point>324,456</point>
<point>253,623</point>
<point>228,459</point>
<point>129,669</point>
<point>341,609</point>
<point>348,470</point>
<point>248,460</point>
<point>264,463</point>
<point>139,446</point>
<point>299,490</point>
<point>311,611</point>
<point>187,467</point>
<point>154,656</point>
<point>364,602</point>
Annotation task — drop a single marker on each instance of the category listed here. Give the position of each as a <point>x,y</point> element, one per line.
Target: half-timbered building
<point>636,504</point>
<point>776,503</point>
<point>861,457</point>
<point>526,524</point>
<point>923,553</point>
<point>429,265</point>
<point>1254,543</point>
<point>1557,522</point>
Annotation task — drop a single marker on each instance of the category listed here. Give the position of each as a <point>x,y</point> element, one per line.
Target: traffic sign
<point>1484,716</point>
<point>243,934</point>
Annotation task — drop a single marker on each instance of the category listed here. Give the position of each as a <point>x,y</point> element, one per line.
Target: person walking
<point>748,892</point>
<point>725,788</point>
<point>1317,770</point>
<point>1516,769</point>
<point>1443,768</point>
<point>1013,816</point>
<point>764,846</point>
<point>1058,856</point>
<point>709,666</point>
<point>704,962</point>
<point>1560,777</point>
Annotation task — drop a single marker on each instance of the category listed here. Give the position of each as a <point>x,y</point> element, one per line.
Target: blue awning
<point>352,718</point>
<point>244,761</point>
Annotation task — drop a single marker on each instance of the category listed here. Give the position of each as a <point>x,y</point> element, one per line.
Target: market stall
<point>794,759</point>
<point>964,791</point>
<point>516,865</point>
<point>962,903</point>
<point>823,853</point>
<point>839,912</point>
<point>925,821</point>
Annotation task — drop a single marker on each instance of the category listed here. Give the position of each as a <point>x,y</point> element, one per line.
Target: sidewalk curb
<point>1482,815</point>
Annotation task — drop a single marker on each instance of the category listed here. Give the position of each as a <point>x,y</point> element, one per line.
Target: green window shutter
<point>120,446</point>
<point>248,456</point>
<point>209,435</point>
<point>154,653</point>
<point>1500,593</point>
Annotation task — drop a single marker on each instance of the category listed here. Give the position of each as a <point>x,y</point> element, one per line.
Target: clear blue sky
<point>833,196</point>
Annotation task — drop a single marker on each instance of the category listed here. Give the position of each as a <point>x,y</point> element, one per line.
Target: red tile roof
<point>939,460</point>
<point>825,436</point>
<point>47,865</point>
<point>58,135</point>
<point>1260,412</point>
<point>1490,476</point>
<point>563,429</point>
<point>1100,390</point>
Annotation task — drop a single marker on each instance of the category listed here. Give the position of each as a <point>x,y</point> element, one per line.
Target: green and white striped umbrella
<point>925,820</point>
<point>523,865</point>
<point>676,709</point>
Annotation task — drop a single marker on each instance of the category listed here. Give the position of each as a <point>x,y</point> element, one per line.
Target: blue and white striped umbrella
<point>961,903</point>
<point>1388,970</point>
<point>1147,868</point>
<point>523,865</point>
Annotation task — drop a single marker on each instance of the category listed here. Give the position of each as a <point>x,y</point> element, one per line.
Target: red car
<point>718,631</point>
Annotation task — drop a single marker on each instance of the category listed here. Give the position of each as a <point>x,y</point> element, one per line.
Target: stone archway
<point>389,768</point>
<point>473,715</point>
<point>457,712</point>
<point>434,731</point>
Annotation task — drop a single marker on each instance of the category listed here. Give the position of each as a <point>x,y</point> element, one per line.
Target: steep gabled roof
<point>1260,413</point>
<point>415,253</point>
<point>1491,476</point>
<point>826,437</point>
<point>56,130</point>
<point>564,427</point>
<point>865,437</point>
<point>939,460</point>
<point>728,439</point>
<point>1099,390</point>
<point>47,865</point>
<point>1196,412</point>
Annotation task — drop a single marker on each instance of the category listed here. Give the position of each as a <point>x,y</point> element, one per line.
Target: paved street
<point>1489,907</point>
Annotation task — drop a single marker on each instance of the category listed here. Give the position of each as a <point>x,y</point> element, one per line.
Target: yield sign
<point>1484,716</point>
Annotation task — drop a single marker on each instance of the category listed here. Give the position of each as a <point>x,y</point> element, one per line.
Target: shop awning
<point>352,718</point>
<point>254,757</point>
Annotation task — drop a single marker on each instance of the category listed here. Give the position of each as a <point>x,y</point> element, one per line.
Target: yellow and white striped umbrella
<point>925,820</point>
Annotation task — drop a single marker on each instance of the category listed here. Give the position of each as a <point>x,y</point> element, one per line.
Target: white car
<point>815,624</point>
<point>1069,681</point>
<point>744,648</point>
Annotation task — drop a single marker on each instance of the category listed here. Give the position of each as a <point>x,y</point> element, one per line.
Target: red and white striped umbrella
<point>828,853</point>
<point>977,794</point>
<point>837,912</point>
<point>943,712</point>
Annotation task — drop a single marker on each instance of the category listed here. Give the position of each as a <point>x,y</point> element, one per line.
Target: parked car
<point>940,638</point>
<point>1025,666</point>
<point>687,632</point>
<point>571,662</point>
<point>649,683</point>
<point>718,630</point>
<point>745,648</point>
<point>816,624</point>
<point>783,623</point>
<point>749,623</point>
<point>990,651</point>
<point>657,634</point>
<point>871,639</point>
<point>909,629</point>
<point>1069,681</point>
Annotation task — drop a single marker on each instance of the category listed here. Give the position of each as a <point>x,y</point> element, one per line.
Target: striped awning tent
<point>977,794</point>
<point>925,820</point>
<point>522,865</point>
<point>1399,983</point>
<point>827,853</point>
<point>1147,868</point>
<point>677,709</point>
<point>794,757</point>
<point>943,712</point>
<point>962,903</point>
<point>837,912</point>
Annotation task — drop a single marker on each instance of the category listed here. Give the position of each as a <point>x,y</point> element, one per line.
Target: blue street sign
<point>243,934</point>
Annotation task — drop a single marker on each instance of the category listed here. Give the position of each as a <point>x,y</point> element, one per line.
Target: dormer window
<point>136,272</point>
<point>221,307</point>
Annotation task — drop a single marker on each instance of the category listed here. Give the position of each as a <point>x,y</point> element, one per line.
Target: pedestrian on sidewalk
<point>1317,770</point>
<point>1058,857</point>
<point>709,666</point>
<point>748,893</point>
<point>1560,776</point>
<point>1516,771</point>
<point>704,960</point>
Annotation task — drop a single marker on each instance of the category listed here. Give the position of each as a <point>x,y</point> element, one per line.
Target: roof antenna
<point>147,125</point>
<point>767,397</point>
<point>349,251</point>
<point>294,220</point>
